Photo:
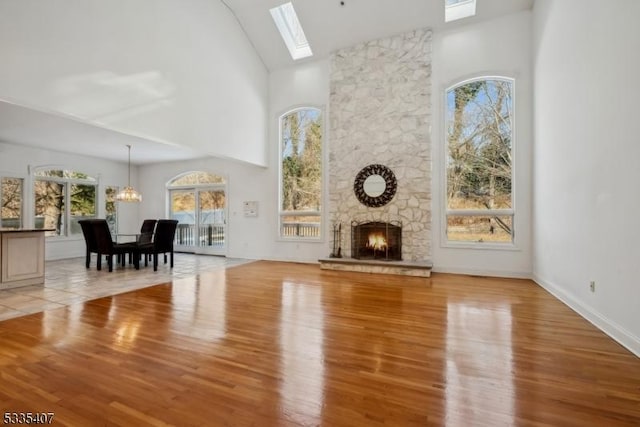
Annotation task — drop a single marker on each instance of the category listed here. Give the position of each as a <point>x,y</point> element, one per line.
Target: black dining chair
<point>162,242</point>
<point>146,235</point>
<point>89,239</point>
<point>147,230</point>
<point>105,246</point>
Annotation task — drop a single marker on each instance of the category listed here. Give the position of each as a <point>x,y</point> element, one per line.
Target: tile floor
<point>68,281</point>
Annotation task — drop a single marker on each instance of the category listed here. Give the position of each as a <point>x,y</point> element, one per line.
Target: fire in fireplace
<point>376,240</point>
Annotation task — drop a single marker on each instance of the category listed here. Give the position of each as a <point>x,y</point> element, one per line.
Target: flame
<point>377,242</point>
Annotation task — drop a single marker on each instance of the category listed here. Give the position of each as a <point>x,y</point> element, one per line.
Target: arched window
<point>301,173</point>
<point>479,168</point>
<point>62,198</point>
<point>196,178</point>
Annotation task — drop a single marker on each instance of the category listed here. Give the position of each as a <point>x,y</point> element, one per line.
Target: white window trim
<point>445,211</point>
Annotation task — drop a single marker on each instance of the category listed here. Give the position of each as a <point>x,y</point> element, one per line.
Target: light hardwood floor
<point>281,344</point>
<point>68,282</point>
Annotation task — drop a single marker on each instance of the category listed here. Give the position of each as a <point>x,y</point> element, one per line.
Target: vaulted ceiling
<point>328,24</point>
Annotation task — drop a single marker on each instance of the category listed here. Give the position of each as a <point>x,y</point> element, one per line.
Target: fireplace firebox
<point>376,240</point>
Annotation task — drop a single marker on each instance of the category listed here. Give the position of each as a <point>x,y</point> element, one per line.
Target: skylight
<point>291,31</point>
<point>458,9</point>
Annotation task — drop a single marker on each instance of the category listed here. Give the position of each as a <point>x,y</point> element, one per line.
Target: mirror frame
<point>391,185</point>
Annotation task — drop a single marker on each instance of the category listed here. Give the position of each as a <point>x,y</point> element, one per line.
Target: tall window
<point>111,209</point>
<point>479,172</point>
<point>62,198</point>
<point>301,173</point>
<point>11,196</point>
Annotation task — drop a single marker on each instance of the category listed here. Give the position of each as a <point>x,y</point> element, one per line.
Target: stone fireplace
<point>376,241</point>
<point>380,115</point>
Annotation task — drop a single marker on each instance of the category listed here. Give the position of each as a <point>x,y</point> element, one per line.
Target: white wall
<point>305,84</point>
<point>17,161</point>
<point>247,237</point>
<point>256,238</point>
<point>253,238</point>
<point>177,71</point>
<point>586,159</point>
<point>498,47</point>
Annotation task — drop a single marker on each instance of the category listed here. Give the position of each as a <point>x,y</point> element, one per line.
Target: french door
<point>202,219</point>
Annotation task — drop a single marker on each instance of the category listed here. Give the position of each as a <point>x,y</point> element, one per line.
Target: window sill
<point>300,239</point>
<point>481,246</point>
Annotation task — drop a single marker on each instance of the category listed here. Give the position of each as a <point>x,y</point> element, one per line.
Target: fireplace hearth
<point>376,240</point>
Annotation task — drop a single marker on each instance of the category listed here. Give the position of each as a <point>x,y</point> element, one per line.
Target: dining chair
<point>89,239</point>
<point>105,246</point>
<point>146,231</point>
<point>162,243</point>
<point>146,235</point>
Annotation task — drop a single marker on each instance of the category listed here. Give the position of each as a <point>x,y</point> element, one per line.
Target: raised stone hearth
<point>403,268</point>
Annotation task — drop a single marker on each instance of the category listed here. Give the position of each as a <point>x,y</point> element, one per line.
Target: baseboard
<point>479,272</point>
<point>296,260</point>
<point>608,326</point>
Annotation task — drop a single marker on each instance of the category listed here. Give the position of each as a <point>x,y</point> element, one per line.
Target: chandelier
<point>128,194</point>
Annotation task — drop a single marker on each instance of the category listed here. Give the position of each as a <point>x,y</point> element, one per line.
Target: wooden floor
<point>68,282</point>
<point>278,344</point>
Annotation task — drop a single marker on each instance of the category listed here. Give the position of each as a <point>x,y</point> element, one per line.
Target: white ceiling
<point>328,26</point>
<point>54,132</point>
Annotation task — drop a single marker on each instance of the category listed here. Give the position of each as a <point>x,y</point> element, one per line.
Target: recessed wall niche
<point>380,114</point>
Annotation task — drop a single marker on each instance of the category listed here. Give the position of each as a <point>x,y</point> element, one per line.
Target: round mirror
<point>374,185</point>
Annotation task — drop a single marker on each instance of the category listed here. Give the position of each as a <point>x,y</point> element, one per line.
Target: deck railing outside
<point>300,229</point>
<point>209,235</point>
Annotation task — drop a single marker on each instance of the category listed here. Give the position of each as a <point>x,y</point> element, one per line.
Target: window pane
<point>212,217</point>
<point>183,208</point>
<point>111,209</point>
<point>67,174</point>
<point>480,228</point>
<point>300,226</point>
<point>197,178</point>
<point>11,203</point>
<point>46,173</point>
<point>49,208</point>
<point>301,168</point>
<point>82,206</point>
<point>479,137</point>
<point>212,207</point>
<point>78,176</point>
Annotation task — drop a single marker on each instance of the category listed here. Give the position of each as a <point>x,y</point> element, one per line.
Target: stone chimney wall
<point>380,113</point>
